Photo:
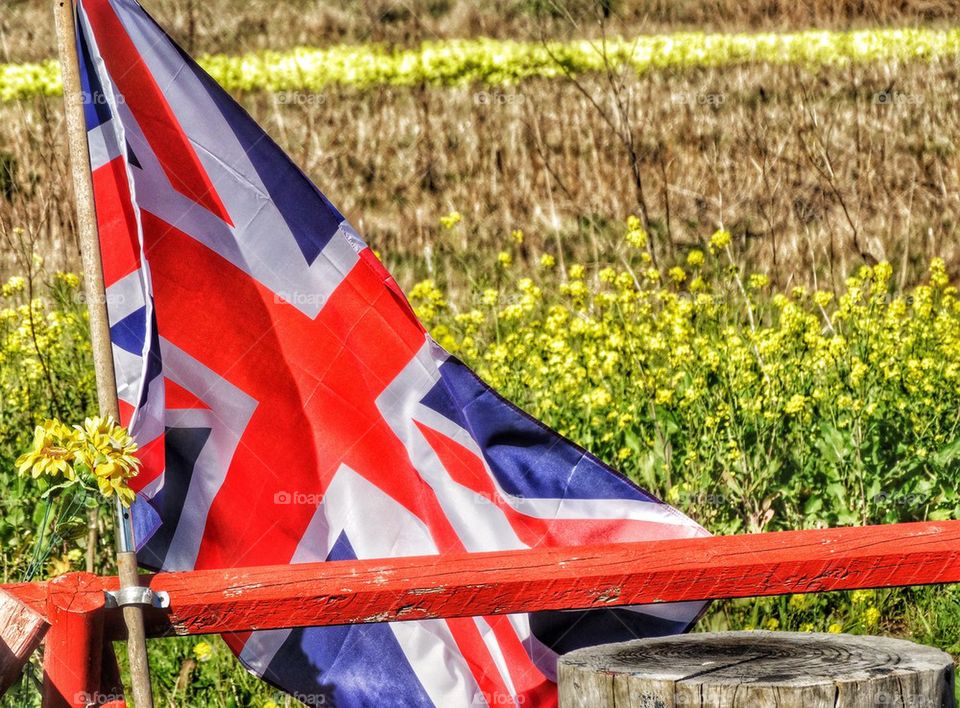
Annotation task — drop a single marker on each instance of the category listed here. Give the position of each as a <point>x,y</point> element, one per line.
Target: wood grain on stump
<point>758,669</point>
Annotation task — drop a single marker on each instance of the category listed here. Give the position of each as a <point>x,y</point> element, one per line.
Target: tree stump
<point>756,670</point>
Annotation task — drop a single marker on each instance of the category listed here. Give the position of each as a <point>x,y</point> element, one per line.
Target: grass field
<point>503,63</point>
<point>732,279</point>
<point>810,171</point>
<point>228,26</point>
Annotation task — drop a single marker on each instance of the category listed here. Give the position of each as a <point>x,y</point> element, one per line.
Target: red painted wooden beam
<point>346,592</point>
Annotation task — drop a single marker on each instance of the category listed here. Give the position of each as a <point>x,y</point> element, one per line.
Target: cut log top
<point>757,669</point>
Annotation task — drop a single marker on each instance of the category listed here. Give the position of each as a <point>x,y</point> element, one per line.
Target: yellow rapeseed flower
<point>796,404</point>
<point>15,284</point>
<point>938,273</point>
<point>71,280</point>
<point>202,651</point>
<point>822,299</point>
<point>664,397</point>
<point>720,239</point>
<point>450,220</point>
<point>635,235</point>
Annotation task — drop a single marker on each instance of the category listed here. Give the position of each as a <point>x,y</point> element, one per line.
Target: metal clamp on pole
<point>137,595</point>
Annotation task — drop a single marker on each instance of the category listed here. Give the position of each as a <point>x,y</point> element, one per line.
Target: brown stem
<point>93,534</point>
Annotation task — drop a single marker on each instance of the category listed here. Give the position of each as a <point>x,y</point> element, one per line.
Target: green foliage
<point>192,672</point>
<point>45,371</point>
<point>856,612</point>
<point>202,671</point>
<point>749,409</point>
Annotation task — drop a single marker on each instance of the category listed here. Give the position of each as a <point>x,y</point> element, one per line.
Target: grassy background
<point>808,171</point>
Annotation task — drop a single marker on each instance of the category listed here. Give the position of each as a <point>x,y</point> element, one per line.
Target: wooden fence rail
<point>398,589</point>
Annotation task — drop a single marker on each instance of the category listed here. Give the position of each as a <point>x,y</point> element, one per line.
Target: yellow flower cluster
<point>52,453</point>
<point>784,409</point>
<point>44,356</point>
<point>450,220</point>
<point>30,79</point>
<point>65,563</point>
<point>857,611</point>
<point>457,62</point>
<point>202,651</point>
<point>100,449</point>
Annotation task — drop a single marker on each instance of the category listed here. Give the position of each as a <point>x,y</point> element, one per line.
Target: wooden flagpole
<point>64,13</point>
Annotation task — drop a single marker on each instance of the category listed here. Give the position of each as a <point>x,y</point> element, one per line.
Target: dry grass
<point>239,25</point>
<point>810,172</point>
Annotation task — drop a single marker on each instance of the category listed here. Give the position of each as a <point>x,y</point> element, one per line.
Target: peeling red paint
<point>457,585</point>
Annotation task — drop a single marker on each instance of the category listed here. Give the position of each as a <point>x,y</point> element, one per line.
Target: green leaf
<point>947,454</point>
<point>813,505</point>
<point>846,517</point>
<point>834,446</point>
<point>57,487</point>
<point>732,483</point>
<point>836,491</point>
<point>71,529</point>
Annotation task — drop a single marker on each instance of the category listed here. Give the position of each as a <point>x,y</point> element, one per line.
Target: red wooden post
<point>73,653</point>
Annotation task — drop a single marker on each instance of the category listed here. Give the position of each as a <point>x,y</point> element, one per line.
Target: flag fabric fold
<point>290,407</point>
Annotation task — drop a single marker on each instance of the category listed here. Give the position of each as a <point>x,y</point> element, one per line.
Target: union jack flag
<point>290,407</point>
